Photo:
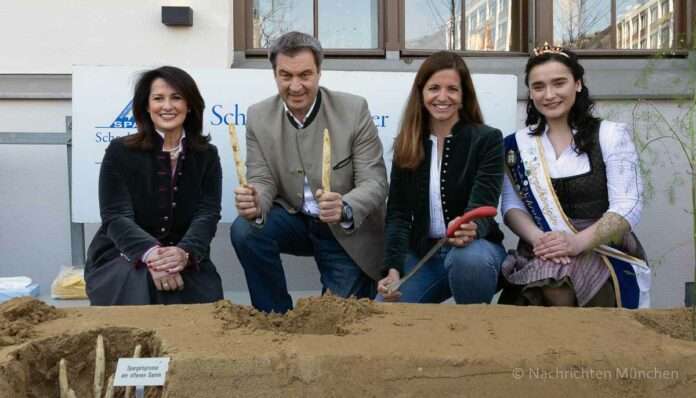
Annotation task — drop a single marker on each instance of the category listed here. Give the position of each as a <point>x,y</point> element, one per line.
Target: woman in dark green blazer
<point>446,161</point>
<point>159,198</point>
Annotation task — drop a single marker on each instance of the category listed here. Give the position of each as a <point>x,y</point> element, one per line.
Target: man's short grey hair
<point>293,42</point>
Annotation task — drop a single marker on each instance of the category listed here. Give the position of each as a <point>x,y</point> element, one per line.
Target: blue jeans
<point>259,247</point>
<point>469,274</point>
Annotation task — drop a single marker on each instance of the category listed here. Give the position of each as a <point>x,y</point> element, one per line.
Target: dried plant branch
<point>650,141</point>
<point>673,133</point>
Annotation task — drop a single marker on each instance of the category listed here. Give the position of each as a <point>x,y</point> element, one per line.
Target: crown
<point>546,49</point>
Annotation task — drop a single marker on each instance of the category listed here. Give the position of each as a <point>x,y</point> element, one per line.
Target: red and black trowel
<point>471,215</point>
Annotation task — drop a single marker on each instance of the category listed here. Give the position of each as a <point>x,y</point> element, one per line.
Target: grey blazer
<point>280,155</point>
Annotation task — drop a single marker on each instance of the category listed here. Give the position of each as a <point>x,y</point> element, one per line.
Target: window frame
<point>338,52</point>
<point>519,22</point>
<point>532,25</point>
<point>683,24</point>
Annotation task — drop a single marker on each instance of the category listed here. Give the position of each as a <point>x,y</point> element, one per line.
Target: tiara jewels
<point>546,49</point>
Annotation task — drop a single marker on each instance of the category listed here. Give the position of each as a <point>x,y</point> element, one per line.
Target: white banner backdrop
<point>101,111</point>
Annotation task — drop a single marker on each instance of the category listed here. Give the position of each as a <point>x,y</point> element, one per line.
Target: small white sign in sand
<point>141,372</point>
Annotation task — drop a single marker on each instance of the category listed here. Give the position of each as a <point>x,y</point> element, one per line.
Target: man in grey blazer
<point>283,209</point>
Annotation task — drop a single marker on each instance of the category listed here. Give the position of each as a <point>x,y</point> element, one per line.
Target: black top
<point>585,196</point>
<point>471,176</point>
<point>142,205</point>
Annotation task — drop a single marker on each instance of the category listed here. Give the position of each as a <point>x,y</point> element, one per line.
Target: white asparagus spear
<point>71,393</point>
<point>326,163</point>
<point>63,378</point>
<point>136,354</point>
<point>109,388</point>
<point>239,166</point>
<point>137,351</point>
<point>99,363</point>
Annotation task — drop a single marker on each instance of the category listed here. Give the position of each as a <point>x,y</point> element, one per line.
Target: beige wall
<point>40,36</point>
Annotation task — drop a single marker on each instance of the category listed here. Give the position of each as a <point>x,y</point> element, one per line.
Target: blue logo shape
<point>124,120</point>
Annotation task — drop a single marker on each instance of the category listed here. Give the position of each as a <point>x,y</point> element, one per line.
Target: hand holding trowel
<point>471,215</point>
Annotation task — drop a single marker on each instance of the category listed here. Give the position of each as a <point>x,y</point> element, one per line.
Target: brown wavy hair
<point>184,84</point>
<point>415,123</point>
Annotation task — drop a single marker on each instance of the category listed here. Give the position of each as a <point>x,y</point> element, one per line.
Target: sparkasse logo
<point>124,120</point>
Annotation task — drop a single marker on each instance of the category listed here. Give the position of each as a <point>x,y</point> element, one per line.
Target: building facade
<point>648,25</point>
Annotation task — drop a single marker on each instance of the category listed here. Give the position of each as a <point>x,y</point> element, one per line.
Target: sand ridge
<point>399,350</point>
<point>312,315</point>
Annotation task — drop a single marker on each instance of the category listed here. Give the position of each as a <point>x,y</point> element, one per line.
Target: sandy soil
<point>330,347</point>
<point>18,317</point>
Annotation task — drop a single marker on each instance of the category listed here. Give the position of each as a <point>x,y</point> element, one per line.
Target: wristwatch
<point>346,213</point>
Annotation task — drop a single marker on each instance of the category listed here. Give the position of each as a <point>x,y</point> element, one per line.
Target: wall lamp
<point>177,16</point>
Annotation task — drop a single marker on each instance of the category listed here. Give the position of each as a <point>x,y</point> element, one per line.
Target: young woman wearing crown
<point>572,193</point>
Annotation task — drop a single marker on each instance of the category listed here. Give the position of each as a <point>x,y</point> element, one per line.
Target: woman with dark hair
<point>159,197</point>
<point>572,193</point>
<point>446,161</point>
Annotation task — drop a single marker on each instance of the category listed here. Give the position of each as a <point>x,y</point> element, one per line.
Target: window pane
<point>582,23</point>
<point>272,18</point>
<point>348,23</point>
<point>488,24</point>
<point>645,24</point>
<point>433,24</point>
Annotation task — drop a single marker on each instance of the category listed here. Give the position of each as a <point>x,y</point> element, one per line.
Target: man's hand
<point>330,206</point>
<point>247,202</point>
<point>464,235</point>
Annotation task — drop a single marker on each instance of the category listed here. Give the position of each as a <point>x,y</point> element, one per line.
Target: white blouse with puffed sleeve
<point>624,184</point>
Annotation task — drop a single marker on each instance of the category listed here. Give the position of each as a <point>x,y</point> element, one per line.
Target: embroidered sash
<point>526,166</point>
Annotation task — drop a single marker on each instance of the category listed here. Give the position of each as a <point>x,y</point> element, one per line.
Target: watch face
<point>347,212</point>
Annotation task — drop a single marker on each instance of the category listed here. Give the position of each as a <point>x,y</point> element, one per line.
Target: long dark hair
<point>580,117</point>
<point>184,84</point>
<point>408,147</point>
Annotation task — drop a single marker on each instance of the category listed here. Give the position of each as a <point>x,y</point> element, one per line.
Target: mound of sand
<point>312,315</point>
<point>19,316</point>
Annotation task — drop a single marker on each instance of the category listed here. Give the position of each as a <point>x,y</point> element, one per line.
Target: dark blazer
<point>141,207</point>
<point>471,176</point>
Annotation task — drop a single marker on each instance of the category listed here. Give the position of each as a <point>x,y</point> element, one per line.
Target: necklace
<point>174,152</point>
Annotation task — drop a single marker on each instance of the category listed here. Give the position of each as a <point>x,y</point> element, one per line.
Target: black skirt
<point>118,282</point>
